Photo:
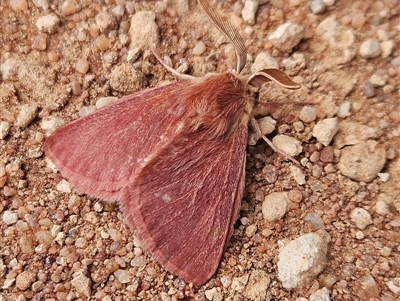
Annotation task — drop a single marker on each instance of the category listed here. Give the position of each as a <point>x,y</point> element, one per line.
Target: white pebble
<point>82,284</point>
<point>10,217</point>
<point>377,80</point>
<point>48,23</point>
<point>105,21</point>
<point>321,295</point>
<point>275,206</point>
<point>249,11</point>
<point>44,4</point>
<point>317,7</point>
<point>325,130</point>
<point>27,113</point>
<point>384,176</point>
<point>370,49</point>
<point>4,129</point>
<point>7,67</point>
<point>361,218</point>
<point>51,123</point>
<point>262,61</point>
<point>298,175</point>
<point>251,230</point>
<point>267,126</point>
<point>84,111</point>
<point>104,101</point>
<point>296,61</point>
<point>199,49</point>
<point>362,161</point>
<point>344,109</point>
<point>122,276</point>
<point>144,32</point>
<point>301,260</point>
<point>64,186</point>
<point>394,285</point>
<point>307,114</point>
<point>382,208</point>
<point>115,234</point>
<point>286,36</point>
<point>387,48</point>
<point>288,145</point>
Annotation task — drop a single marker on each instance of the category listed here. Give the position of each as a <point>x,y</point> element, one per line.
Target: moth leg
<point>172,70</point>
<point>256,127</point>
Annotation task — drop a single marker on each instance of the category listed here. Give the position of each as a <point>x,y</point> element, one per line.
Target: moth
<point>173,158</point>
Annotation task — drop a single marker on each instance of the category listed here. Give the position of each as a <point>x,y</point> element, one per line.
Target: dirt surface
<point>57,244</point>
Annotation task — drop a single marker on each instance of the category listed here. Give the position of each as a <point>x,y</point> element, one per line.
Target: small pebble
<point>82,66</point>
<point>361,218</point>
<point>368,89</point>
<point>301,260</point>
<point>27,114</point>
<point>264,60</point>
<point>10,217</point>
<point>199,49</point>
<point>286,36</point>
<point>144,33</point>
<point>325,130</point>
<point>9,191</point>
<point>387,48</point>
<point>249,11</point>
<point>7,67</point>
<point>362,161</point>
<point>251,230</point>
<point>267,126</point>
<point>25,280</point>
<point>104,101</point>
<point>287,144</point>
<point>370,49</point>
<point>358,20</point>
<point>315,156</point>
<point>322,294</point>
<point>122,276</point>
<point>294,62</point>
<point>317,7</point>
<point>102,43</point>
<point>384,176</point>
<point>307,114</point>
<point>295,196</point>
<point>327,154</point>
<point>64,186</point>
<point>377,80</point>
<point>298,175</point>
<point>115,234</point>
<point>84,111</point>
<point>382,208</point>
<point>105,21</point>
<point>48,23</point>
<point>344,109</point>
<point>314,220</point>
<point>69,7</point>
<point>51,123</point>
<point>275,206</point>
<point>4,129</point>
<point>213,294</point>
<point>82,284</point>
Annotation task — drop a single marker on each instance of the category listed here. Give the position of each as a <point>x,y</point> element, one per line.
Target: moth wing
<point>184,203</point>
<point>103,152</point>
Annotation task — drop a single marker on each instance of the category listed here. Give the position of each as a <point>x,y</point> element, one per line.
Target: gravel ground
<point>327,229</point>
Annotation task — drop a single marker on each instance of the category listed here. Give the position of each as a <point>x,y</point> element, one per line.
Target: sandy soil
<point>57,244</point>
